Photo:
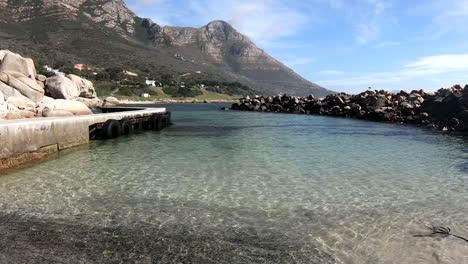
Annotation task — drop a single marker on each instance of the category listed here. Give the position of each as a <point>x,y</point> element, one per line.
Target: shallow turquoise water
<point>277,188</point>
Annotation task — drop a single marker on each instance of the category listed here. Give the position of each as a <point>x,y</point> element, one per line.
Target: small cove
<point>241,187</point>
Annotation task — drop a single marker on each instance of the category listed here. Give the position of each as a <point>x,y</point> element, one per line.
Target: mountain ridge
<point>73,28</point>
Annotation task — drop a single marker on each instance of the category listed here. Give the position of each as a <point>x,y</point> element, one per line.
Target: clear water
<point>264,188</point>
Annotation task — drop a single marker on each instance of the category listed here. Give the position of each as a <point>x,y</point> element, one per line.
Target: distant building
<point>54,71</point>
<point>83,67</point>
<point>150,82</point>
<point>79,67</point>
<point>129,73</point>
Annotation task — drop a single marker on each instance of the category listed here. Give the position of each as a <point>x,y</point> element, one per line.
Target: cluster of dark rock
<point>445,110</point>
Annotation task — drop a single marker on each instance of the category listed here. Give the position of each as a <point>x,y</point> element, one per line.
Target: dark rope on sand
<point>442,231</point>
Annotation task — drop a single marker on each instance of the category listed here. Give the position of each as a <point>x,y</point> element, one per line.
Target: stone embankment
<point>179,101</point>
<point>444,110</point>
<point>26,94</point>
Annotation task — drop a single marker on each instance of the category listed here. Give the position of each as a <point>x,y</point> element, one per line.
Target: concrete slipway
<point>22,136</point>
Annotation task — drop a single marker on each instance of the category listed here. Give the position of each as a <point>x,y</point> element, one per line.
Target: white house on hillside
<point>150,82</point>
<point>54,71</point>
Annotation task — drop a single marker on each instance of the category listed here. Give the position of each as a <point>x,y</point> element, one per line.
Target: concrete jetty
<point>48,135</point>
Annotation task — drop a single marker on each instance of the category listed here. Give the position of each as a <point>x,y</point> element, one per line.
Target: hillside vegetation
<point>106,34</point>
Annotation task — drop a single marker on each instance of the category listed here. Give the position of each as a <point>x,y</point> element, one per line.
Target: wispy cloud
<point>346,34</point>
<point>261,20</point>
<point>431,66</point>
<point>298,61</point>
<point>446,16</point>
<point>386,44</point>
<point>267,20</point>
<point>141,3</point>
<point>330,72</point>
<point>440,63</point>
<point>365,16</point>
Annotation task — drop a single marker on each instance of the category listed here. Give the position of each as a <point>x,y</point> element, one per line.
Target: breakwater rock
<point>445,110</point>
<point>26,94</point>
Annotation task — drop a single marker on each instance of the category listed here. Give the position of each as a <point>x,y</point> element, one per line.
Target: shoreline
<point>173,101</point>
<point>445,110</point>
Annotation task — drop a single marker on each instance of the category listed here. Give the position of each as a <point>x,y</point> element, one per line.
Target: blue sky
<point>344,45</point>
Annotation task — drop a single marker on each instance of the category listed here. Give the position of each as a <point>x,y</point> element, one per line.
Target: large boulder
<point>60,87</point>
<point>41,78</point>
<point>9,91</point>
<point>111,101</point>
<point>15,63</point>
<point>24,85</point>
<point>2,55</point>
<point>3,110</point>
<point>3,106</point>
<point>21,103</point>
<point>92,103</point>
<point>56,113</point>
<point>19,114</point>
<point>8,111</point>
<point>85,87</point>
<point>41,84</point>
<point>74,107</point>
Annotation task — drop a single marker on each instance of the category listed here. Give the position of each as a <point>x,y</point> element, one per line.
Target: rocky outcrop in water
<point>26,94</point>
<point>445,110</point>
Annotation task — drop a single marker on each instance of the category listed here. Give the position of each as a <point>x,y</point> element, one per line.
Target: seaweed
<point>441,231</point>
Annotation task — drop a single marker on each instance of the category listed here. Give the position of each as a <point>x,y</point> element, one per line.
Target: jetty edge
<point>444,110</point>
<point>24,140</point>
<point>40,114</point>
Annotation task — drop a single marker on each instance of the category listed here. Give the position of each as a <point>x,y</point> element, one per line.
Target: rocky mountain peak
<point>217,25</point>
<point>221,31</point>
<point>111,13</point>
<point>91,30</point>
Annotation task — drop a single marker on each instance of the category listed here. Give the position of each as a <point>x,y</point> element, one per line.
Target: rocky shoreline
<point>444,110</point>
<point>26,94</point>
<point>184,101</point>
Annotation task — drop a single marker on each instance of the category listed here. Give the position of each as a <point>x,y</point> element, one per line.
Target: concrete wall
<point>53,134</point>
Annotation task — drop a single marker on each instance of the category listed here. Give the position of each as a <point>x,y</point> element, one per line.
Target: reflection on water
<point>236,187</point>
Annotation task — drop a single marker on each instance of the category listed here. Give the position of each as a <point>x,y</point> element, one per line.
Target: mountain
<point>106,33</point>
